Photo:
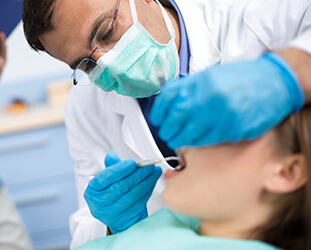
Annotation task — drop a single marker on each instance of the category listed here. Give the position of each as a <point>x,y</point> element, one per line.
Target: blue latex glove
<point>227,103</point>
<point>117,196</point>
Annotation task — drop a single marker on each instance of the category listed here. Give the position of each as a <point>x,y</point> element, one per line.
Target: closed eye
<point>108,34</point>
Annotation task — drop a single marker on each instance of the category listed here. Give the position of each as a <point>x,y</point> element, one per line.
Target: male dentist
<point>129,48</point>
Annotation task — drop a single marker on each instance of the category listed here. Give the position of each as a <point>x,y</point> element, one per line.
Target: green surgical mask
<point>137,65</point>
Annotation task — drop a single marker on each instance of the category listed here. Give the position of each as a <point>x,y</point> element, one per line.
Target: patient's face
<point>220,182</point>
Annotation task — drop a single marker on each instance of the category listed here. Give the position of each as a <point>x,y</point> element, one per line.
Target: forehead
<point>72,22</point>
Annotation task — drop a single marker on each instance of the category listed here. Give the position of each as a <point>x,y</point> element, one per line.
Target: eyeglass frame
<point>73,76</point>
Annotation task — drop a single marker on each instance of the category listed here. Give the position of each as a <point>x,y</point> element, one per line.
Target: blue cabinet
<point>38,172</point>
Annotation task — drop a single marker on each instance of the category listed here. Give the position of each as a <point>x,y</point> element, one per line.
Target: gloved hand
<point>117,196</point>
<point>227,103</point>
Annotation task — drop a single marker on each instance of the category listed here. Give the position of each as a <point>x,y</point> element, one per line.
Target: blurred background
<point>35,164</point>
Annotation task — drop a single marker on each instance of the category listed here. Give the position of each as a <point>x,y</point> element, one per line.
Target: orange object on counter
<point>16,107</point>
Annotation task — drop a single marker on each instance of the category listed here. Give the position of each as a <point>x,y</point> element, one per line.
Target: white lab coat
<point>219,31</point>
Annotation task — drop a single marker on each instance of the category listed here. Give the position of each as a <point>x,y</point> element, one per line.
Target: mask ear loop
<point>133,10</point>
<point>167,20</point>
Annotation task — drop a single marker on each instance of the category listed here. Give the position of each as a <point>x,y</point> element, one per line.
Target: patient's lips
<point>170,174</point>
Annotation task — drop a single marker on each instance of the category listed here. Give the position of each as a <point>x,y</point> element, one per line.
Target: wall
<point>24,64</point>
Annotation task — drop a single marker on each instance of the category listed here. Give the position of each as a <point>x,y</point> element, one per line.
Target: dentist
<point>127,48</point>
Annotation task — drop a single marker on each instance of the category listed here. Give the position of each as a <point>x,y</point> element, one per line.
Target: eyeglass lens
<point>84,67</point>
<point>108,34</point>
<point>105,39</point>
<point>87,65</point>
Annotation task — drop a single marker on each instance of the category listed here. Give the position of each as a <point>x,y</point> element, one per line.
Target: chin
<point>169,198</point>
<point>173,201</point>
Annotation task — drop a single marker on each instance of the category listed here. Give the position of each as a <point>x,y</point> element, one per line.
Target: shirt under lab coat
<point>218,31</point>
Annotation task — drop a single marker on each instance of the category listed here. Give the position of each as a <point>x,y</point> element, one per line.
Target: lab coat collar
<point>135,131</point>
<point>203,50</point>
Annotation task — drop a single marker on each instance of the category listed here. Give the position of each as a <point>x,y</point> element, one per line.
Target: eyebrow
<point>95,28</point>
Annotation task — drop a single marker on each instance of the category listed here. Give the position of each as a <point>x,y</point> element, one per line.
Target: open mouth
<point>180,166</point>
<point>182,162</point>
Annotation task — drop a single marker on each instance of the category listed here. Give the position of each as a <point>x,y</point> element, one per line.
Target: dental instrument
<point>144,164</point>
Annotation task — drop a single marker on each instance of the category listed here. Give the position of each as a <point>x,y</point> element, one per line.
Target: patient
<point>251,195</point>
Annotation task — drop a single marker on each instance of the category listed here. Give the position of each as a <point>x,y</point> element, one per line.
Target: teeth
<point>182,163</point>
<point>180,167</point>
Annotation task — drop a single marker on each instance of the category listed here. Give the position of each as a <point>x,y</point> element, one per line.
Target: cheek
<point>209,190</point>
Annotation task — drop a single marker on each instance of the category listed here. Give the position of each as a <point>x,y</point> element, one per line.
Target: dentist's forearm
<point>300,62</point>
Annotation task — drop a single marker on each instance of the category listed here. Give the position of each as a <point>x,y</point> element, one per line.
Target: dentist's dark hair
<point>37,16</point>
